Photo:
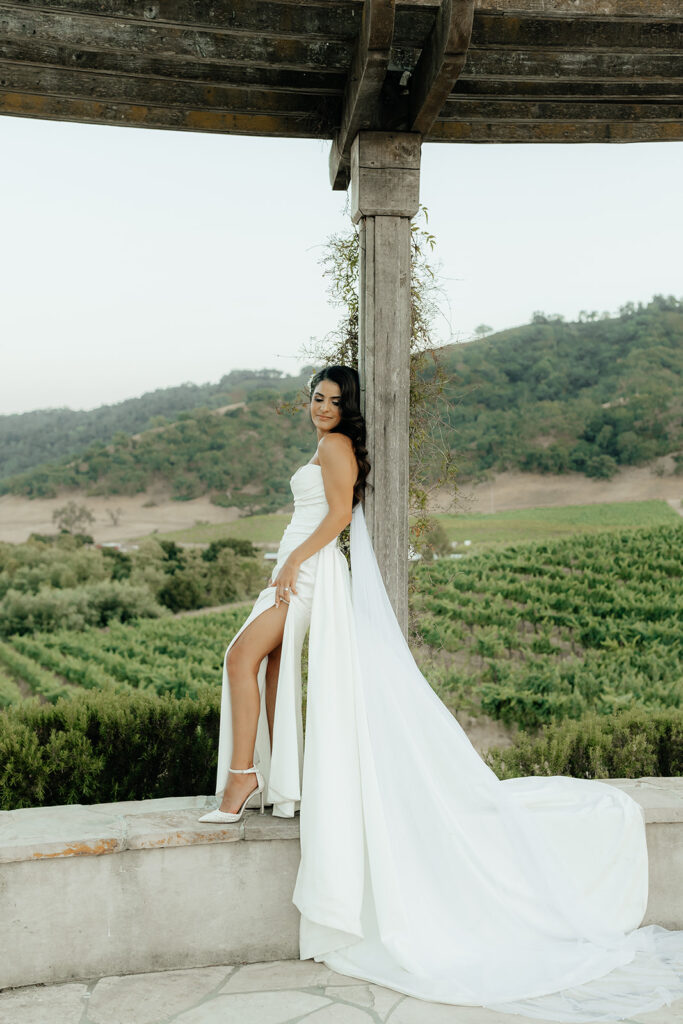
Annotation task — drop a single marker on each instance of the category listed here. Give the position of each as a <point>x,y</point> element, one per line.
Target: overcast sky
<point>135,259</point>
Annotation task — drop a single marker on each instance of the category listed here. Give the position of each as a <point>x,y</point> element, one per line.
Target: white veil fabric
<point>423,872</point>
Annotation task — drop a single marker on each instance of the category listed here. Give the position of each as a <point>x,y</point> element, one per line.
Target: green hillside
<point>30,439</point>
<point>242,456</point>
<point>550,396</point>
<point>554,397</point>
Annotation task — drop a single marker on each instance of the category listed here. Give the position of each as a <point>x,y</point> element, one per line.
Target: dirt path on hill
<point>121,518</point>
<point>117,517</point>
<point>511,490</point>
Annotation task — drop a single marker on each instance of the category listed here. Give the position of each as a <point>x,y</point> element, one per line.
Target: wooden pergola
<point>378,78</point>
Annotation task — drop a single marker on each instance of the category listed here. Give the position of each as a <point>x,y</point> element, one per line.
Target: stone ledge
<point>661,799</point>
<point>76,830</point>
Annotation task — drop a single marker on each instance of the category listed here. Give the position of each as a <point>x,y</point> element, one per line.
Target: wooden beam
<point>321,83</point>
<point>582,8</point>
<point>553,65</point>
<point>138,115</point>
<point>490,30</point>
<point>440,63</point>
<point>412,26</point>
<point>585,8</point>
<point>59,82</point>
<point>364,84</point>
<point>472,110</point>
<point>318,20</point>
<point>222,47</point>
<point>625,90</point>
<point>552,132</point>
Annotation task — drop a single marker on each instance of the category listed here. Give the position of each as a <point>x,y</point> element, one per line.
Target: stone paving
<point>280,992</point>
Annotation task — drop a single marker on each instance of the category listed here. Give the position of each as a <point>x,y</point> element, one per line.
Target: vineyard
<point>541,632</point>
<point>171,656</point>
<point>527,634</point>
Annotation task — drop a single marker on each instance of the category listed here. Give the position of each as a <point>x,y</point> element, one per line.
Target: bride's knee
<point>261,638</point>
<point>245,656</point>
<point>238,658</point>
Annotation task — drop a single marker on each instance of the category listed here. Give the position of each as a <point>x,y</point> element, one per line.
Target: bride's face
<point>326,406</point>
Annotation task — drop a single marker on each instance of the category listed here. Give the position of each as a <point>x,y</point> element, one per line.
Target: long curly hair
<point>352,423</point>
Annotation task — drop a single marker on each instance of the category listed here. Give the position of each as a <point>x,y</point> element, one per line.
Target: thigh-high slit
<point>281,770</point>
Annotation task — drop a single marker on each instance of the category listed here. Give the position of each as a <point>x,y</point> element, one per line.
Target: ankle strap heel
<point>221,817</point>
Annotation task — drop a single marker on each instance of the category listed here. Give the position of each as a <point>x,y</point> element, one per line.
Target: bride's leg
<point>272,676</point>
<point>260,638</point>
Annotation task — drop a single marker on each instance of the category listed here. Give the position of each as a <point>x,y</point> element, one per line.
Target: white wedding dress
<point>420,870</point>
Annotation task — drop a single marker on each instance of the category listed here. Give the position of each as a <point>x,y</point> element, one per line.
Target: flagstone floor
<point>281,992</point>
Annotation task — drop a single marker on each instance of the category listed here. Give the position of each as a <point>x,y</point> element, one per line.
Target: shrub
<point>91,604</point>
<point>181,592</point>
<point>635,743</point>
<point>100,747</point>
<point>241,547</point>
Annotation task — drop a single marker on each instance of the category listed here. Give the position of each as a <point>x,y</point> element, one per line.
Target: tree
<point>434,541</point>
<point>72,517</point>
<point>482,330</point>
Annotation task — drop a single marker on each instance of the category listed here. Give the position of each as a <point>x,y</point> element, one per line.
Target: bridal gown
<point>420,870</point>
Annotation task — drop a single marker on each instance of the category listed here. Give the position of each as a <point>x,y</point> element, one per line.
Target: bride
<point>420,870</point>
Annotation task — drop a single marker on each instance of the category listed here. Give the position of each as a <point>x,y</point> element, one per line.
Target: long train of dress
<point>420,870</point>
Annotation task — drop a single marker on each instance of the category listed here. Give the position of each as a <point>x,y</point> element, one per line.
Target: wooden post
<point>385,185</point>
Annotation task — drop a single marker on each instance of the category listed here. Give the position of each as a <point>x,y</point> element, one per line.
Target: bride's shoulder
<point>335,445</point>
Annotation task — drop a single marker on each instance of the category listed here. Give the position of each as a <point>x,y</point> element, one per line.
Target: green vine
<point>432,463</point>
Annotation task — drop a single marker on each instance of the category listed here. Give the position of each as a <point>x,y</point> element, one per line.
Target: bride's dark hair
<point>352,423</point>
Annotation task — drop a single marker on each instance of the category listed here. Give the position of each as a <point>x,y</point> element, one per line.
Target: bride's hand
<point>284,582</point>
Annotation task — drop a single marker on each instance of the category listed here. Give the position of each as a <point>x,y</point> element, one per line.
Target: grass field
<point>536,524</point>
<point>266,529</point>
<point>500,528</point>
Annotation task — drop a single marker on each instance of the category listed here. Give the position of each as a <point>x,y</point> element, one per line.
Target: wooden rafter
<point>556,131</point>
<point>179,42</point>
<point>584,8</point>
<point>190,119</point>
<point>560,65</point>
<point>36,55</point>
<point>276,18</point>
<point>563,32</point>
<point>511,111</point>
<point>440,63</point>
<point>621,89</point>
<point>67,83</point>
<point>531,70</point>
<point>360,109</point>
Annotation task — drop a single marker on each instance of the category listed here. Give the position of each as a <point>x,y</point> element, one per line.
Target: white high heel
<point>221,817</point>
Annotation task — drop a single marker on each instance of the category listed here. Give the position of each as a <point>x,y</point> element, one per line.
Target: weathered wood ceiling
<point>456,71</point>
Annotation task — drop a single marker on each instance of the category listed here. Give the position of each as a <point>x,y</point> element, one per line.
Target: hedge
<point>100,747</point>
<point>629,745</point>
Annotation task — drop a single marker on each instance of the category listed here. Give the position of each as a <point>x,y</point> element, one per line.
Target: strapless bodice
<point>310,508</point>
<point>307,487</point>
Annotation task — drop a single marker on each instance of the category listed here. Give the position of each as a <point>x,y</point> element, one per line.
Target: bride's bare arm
<point>339,469</point>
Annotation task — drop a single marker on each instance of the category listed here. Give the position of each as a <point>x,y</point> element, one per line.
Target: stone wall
<point>126,888</point>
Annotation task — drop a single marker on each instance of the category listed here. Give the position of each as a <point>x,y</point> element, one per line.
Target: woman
<point>420,870</point>
<point>260,735</point>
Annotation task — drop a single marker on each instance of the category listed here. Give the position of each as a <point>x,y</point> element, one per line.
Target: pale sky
<point>133,259</point>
